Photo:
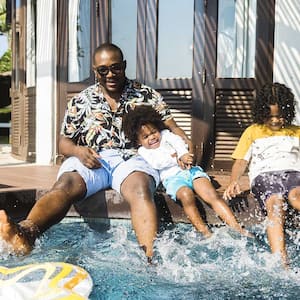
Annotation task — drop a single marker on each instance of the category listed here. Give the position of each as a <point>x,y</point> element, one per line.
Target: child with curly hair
<point>271,150</point>
<point>168,153</point>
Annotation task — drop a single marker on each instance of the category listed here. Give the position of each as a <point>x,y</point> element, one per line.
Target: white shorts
<point>115,169</point>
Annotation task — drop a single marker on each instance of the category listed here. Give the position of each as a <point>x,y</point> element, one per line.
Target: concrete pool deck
<point>21,184</point>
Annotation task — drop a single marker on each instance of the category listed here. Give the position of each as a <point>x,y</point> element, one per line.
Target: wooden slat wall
<point>23,127</point>
<point>233,115</point>
<point>16,127</point>
<point>180,103</point>
<point>30,125</point>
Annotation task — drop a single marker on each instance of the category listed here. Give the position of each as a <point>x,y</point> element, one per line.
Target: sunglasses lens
<point>116,69</point>
<point>102,71</point>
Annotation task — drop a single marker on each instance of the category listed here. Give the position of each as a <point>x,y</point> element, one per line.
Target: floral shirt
<point>89,120</point>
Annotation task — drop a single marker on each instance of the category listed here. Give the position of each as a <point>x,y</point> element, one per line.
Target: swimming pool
<point>187,266</point>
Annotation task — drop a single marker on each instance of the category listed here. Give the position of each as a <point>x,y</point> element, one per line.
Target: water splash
<point>225,266</point>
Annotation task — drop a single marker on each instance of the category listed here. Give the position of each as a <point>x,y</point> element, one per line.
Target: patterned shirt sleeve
<point>72,120</point>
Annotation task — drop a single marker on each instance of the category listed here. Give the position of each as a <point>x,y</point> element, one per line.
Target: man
<point>98,155</point>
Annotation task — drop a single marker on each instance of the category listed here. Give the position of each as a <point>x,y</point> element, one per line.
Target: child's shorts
<point>114,171</point>
<point>183,178</point>
<point>277,182</point>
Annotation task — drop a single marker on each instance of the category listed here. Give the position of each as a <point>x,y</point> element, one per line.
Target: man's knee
<point>138,183</point>
<point>72,184</point>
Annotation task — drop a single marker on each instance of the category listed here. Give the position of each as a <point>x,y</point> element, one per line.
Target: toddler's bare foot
<point>14,235</point>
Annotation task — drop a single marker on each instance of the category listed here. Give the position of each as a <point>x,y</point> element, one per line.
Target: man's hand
<point>88,157</point>
<point>232,190</point>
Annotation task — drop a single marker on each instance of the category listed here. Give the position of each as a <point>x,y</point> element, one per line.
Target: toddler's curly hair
<point>139,116</point>
<point>270,94</point>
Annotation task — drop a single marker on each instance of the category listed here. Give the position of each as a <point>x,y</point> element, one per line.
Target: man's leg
<point>47,211</point>
<point>138,189</point>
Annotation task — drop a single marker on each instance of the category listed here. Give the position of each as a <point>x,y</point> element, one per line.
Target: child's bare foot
<point>13,235</point>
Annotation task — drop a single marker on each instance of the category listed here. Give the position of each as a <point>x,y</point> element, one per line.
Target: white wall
<point>287,47</point>
<point>45,81</point>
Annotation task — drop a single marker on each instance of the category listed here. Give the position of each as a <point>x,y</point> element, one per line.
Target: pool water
<point>226,266</point>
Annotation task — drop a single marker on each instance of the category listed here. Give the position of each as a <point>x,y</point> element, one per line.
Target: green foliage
<point>3,26</point>
<point>5,110</point>
<point>5,62</point>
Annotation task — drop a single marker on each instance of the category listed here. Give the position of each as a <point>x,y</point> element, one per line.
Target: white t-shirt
<point>268,150</point>
<point>164,158</point>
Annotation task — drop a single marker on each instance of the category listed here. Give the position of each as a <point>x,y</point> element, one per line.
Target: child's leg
<point>275,226</point>
<point>294,198</point>
<point>187,198</point>
<point>208,194</point>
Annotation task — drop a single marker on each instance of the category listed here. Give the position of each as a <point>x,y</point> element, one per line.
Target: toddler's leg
<point>208,194</point>
<point>275,226</point>
<point>187,198</point>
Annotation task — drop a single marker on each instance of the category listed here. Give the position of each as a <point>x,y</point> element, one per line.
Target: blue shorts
<point>277,182</point>
<point>183,178</point>
<point>113,172</point>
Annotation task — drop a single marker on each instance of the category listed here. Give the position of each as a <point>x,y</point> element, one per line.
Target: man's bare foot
<point>246,233</point>
<point>207,234</point>
<point>14,235</point>
<point>149,260</point>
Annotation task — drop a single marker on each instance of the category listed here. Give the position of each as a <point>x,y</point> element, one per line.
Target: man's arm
<point>237,171</point>
<point>172,125</point>
<point>87,156</point>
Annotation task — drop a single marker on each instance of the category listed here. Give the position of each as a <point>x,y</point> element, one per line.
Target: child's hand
<point>186,161</point>
<point>232,190</point>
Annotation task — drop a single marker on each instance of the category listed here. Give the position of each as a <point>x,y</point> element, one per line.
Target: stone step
<point>110,204</point>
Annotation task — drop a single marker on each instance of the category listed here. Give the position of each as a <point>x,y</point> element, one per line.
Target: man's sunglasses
<point>115,68</point>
